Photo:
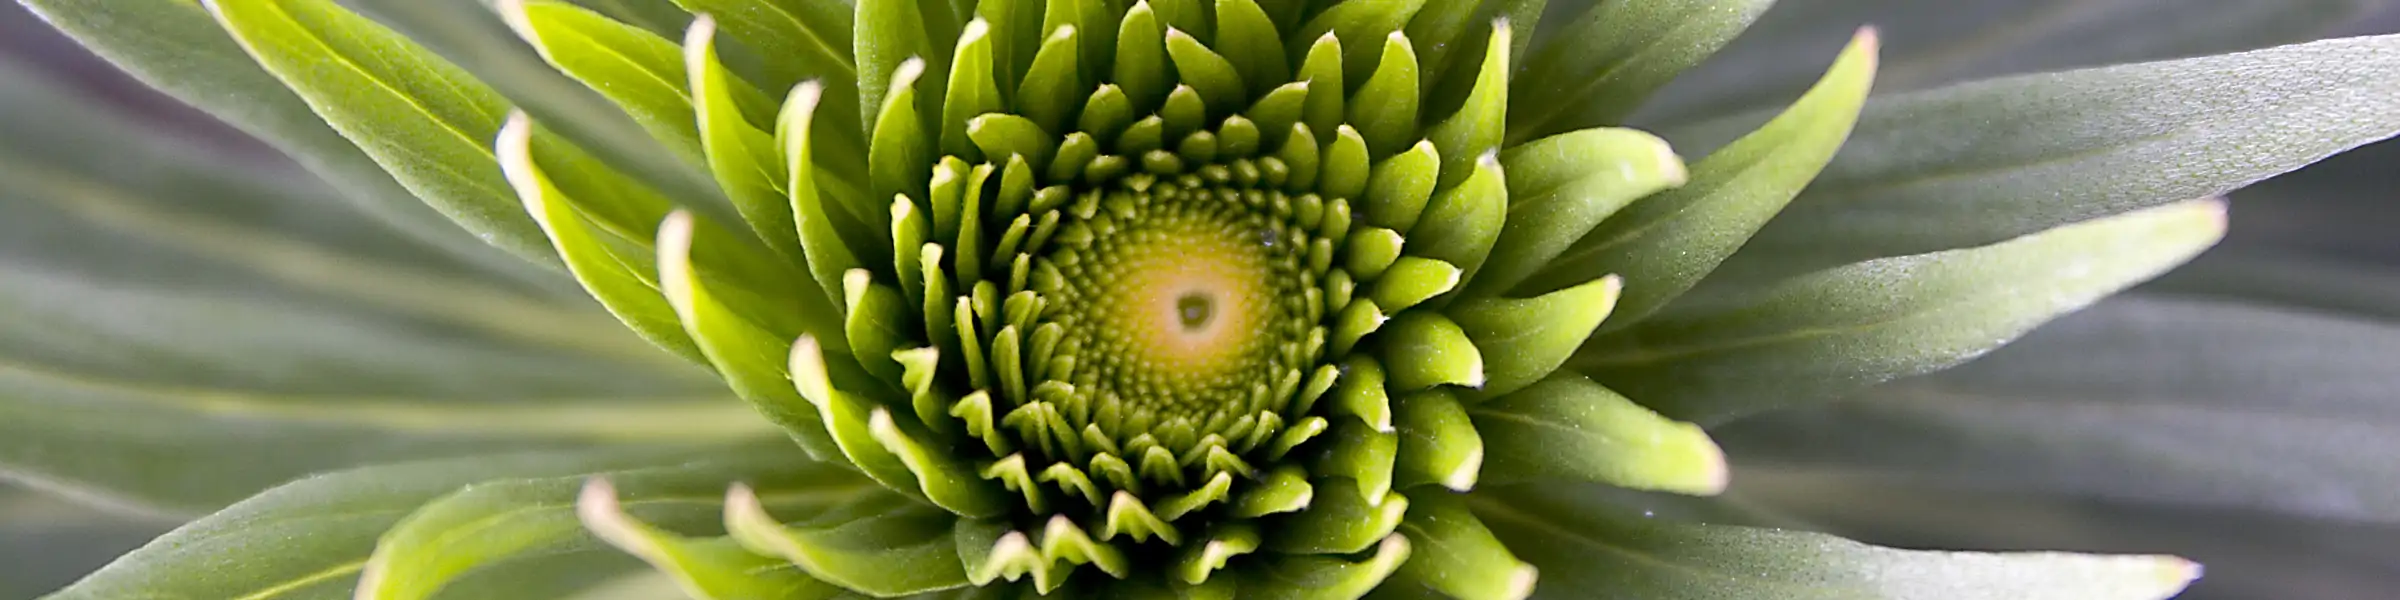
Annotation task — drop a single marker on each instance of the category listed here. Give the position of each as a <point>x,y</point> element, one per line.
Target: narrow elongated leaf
<point>2142,399</point>
<point>1935,44</point>
<point>1600,67</point>
<point>1853,326</point>
<point>1982,162</point>
<point>495,525</point>
<point>1588,547</point>
<point>309,539</point>
<point>173,46</point>
<point>469,34</point>
<point>1664,244</point>
<point>426,121</point>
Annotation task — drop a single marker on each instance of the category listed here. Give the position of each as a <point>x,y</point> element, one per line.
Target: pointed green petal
<point>1457,556</point>
<point>1526,339</point>
<point>737,347</point>
<point>884,547</point>
<point>1438,442</point>
<point>1385,109</point>
<point>1663,245</point>
<point>1560,187</point>
<point>1568,427</point>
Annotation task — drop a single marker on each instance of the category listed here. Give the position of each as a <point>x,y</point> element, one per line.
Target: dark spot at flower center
<point>1195,308</point>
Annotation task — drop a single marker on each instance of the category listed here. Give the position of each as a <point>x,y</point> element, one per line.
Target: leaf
<point>1587,547</point>
<point>1567,427</point>
<point>1870,322</point>
<point>2249,555</point>
<point>427,122</point>
<point>46,542</point>
<point>1932,44</point>
<point>1982,162</point>
<point>1664,244</point>
<point>2203,403</point>
<point>310,538</point>
<point>172,45</point>
<point>1560,187</point>
<point>469,34</point>
<point>495,525</point>
<point>1597,69</point>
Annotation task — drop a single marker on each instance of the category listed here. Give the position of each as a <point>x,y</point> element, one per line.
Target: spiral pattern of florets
<point>1119,300</point>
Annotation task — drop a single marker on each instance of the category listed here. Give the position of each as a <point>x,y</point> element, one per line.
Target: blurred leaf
<point>1938,43</point>
<point>149,211</point>
<point>501,523</point>
<point>1597,67</point>
<point>427,121</point>
<point>1589,547</point>
<point>2249,555</point>
<point>46,542</point>
<point>185,330</point>
<point>469,34</point>
<point>1866,323</point>
<point>2150,399</point>
<point>174,46</point>
<point>310,538</point>
<point>1982,162</point>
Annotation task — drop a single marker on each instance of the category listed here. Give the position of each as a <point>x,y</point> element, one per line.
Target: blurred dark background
<point>2340,209</point>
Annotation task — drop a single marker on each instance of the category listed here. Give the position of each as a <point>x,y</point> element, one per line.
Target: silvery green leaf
<point>1589,547</point>
<point>1845,328</point>
<point>1980,162</point>
<point>2249,555</point>
<point>309,539</point>
<point>275,326</point>
<point>1936,43</point>
<point>174,46</point>
<point>501,524</point>
<point>2156,399</point>
<point>470,34</point>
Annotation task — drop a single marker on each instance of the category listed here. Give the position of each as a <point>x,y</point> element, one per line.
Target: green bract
<point>1173,299</point>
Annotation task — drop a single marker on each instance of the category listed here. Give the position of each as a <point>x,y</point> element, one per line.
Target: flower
<point>1255,299</point>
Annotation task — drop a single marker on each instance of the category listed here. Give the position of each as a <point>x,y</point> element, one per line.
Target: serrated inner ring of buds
<point>1163,321</point>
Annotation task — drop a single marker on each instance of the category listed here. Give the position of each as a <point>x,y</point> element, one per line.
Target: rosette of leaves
<point>1237,298</point>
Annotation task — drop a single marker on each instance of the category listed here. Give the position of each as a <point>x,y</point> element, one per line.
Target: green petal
<point>1465,137</point>
<point>1664,244</point>
<point>881,546</point>
<point>1385,109</point>
<point>1438,442</point>
<point>628,293</point>
<point>1567,427</point>
<point>1603,65</point>
<point>1339,521</point>
<point>1326,578</point>
<point>741,152</point>
<point>888,33</point>
<point>1524,340</point>
<point>1866,323</point>
<point>494,524</point>
<point>739,348</point>
<point>1423,350</point>
<point>704,569</point>
<point>1458,557</point>
<point>1248,38</point>
<point>1560,187</point>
